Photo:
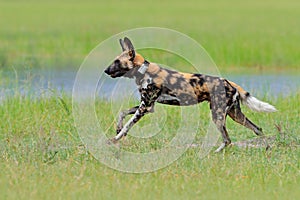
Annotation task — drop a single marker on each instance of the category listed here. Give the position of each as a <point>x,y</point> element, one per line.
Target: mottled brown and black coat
<point>157,84</point>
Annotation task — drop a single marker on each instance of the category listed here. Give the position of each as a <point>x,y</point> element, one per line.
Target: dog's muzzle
<point>114,73</point>
<point>107,71</point>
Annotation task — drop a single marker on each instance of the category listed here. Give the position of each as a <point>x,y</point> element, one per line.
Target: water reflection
<point>43,82</point>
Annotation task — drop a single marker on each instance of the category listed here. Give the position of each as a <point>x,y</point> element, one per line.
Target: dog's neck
<point>141,63</point>
<point>138,71</point>
<point>143,68</point>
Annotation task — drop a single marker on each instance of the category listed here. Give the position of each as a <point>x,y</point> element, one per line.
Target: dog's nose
<point>106,71</point>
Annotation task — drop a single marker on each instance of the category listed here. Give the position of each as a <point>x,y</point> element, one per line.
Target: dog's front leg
<point>139,113</point>
<point>122,116</point>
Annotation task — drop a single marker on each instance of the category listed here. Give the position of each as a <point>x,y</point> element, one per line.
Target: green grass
<point>256,34</point>
<point>42,156</point>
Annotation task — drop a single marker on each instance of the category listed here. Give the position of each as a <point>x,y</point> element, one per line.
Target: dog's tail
<point>252,102</point>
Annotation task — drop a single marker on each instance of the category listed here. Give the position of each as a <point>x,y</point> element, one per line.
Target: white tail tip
<point>257,105</point>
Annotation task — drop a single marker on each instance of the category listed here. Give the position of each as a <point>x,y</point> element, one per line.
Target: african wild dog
<point>165,86</point>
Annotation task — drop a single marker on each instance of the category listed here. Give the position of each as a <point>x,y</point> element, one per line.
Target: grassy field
<point>257,35</point>
<point>42,157</point>
<point>41,154</point>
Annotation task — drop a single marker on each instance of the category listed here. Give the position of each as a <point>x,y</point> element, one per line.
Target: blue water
<point>268,85</point>
<point>46,82</point>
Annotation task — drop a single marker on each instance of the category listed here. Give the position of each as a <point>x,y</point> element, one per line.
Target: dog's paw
<point>112,141</point>
<point>220,148</point>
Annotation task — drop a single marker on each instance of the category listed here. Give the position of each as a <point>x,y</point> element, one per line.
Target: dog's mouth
<point>117,74</point>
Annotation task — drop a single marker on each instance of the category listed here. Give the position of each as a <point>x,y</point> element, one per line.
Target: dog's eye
<point>117,62</point>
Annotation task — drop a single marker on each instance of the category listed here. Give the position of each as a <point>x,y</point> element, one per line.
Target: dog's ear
<point>128,46</point>
<point>131,53</point>
<point>122,45</point>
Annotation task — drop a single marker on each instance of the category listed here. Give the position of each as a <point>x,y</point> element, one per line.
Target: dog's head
<point>126,62</point>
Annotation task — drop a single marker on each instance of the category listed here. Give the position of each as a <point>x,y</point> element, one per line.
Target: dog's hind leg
<point>218,111</point>
<point>236,114</point>
<point>220,120</point>
<point>218,106</point>
<point>122,116</point>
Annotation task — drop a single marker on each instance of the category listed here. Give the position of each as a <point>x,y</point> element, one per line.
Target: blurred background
<point>237,34</point>
<point>45,42</point>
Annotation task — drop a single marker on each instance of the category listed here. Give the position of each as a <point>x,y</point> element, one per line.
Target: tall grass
<point>42,156</point>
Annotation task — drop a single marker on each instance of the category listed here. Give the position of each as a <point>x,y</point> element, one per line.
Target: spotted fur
<point>157,84</point>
